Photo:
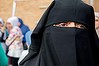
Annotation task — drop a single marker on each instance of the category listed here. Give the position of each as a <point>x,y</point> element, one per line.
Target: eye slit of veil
<point>70,24</point>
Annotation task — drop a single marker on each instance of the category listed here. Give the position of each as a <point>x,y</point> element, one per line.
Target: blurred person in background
<point>97,22</point>
<point>3,57</point>
<point>24,28</point>
<point>28,37</point>
<point>28,43</point>
<point>14,40</point>
<point>2,34</point>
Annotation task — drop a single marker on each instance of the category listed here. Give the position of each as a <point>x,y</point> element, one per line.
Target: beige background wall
<point>29,10</point>
<point>96,5</point>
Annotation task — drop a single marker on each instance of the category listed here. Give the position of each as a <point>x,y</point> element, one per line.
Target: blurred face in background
<point>19,24</point>
<point>9,26</point>
<point>1,25</point>
<point>96,22</point>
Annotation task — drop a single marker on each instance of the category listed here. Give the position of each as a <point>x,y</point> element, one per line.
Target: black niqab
<point>58,46</point>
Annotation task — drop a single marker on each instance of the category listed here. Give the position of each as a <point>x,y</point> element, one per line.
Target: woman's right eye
<point>60,25</point>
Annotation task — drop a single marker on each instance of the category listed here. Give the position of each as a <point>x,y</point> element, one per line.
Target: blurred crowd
<point>15,38</point>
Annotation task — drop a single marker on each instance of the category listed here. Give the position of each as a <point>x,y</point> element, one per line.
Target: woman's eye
<point>97,20</point>
<point>63,24</point>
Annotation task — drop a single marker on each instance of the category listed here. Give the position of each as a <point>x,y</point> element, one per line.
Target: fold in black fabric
<point>64,46</point>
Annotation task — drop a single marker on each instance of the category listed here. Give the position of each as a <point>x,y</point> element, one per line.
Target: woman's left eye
<point>63,24</point>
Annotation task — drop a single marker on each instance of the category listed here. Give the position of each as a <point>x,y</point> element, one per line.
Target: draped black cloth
<point>64,46</point>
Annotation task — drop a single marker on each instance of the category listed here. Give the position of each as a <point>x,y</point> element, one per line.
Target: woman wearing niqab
<point>72,45</point>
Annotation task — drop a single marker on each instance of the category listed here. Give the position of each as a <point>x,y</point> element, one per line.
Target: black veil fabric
<point>57,46</point>
<point>68,10</point>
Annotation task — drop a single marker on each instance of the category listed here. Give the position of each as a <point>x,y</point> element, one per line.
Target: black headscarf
<point>58,46</point>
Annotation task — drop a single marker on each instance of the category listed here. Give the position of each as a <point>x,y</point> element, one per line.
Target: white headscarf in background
<point>97,14</point>
<point>13,20</point>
